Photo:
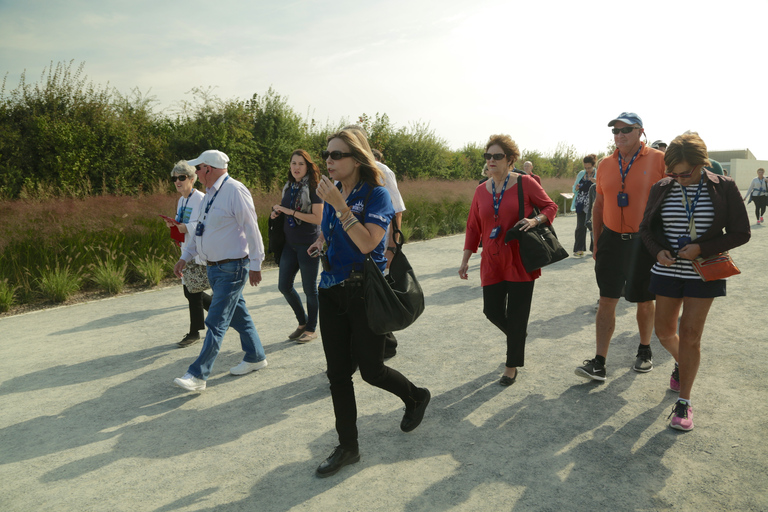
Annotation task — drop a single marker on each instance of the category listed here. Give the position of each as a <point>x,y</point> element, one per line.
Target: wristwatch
<point>341,212</point>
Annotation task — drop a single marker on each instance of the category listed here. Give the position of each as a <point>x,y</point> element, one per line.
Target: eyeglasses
<point>180,178</point>
<point>626,129</point>
<point>495,156</point>
<point>200,167</point>
<point>680,175</point>
<point>335,155</point>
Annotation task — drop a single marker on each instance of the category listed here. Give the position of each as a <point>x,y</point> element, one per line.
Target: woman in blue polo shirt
<point>356,214</point>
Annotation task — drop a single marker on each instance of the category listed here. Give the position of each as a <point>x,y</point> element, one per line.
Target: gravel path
<point>90,419</point>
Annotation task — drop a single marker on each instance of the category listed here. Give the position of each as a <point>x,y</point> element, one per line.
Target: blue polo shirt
<point>342,253</point>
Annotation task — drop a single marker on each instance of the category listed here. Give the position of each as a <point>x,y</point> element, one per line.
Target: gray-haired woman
<point>183,177</point>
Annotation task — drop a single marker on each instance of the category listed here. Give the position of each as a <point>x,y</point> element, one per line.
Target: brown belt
<point>214,263</point>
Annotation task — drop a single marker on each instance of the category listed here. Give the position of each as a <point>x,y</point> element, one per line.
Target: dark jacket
<point>730,214</point>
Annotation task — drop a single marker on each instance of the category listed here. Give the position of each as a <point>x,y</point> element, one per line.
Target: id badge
<point>682,241</point>
<point>291,222</point>
<point>622,199</point>
<point>199,229</point>
<point>495,232</point>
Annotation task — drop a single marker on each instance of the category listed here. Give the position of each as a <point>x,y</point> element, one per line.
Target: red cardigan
<point>502,262</point>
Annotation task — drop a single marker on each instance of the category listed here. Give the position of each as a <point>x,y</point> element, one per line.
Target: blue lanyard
<point>497,204</point>
<point>180,213</point>
<point>332,223</point>
<point>690,206</point>
<point>621,165</point>
<point>208,206</point>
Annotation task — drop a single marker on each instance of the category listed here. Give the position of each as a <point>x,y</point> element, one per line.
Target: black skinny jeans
<point>760,202</point>
<point>198,304</point>
<point>349,343</point>
<point>507,305</point>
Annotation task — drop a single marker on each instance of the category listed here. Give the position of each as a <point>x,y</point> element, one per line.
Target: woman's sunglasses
<point>495,156</point>
<point>335,155</point>
<point>681,175</point>
<point>180,178</point>
<point>626,129</point>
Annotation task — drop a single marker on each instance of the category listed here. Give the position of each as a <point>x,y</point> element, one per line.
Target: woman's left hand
<point>526,224</point>
<point>690,252</point>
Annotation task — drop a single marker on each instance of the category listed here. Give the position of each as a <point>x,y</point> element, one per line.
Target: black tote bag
<point>276,237</point>
<point>395,301</point>
<point>539,246</point>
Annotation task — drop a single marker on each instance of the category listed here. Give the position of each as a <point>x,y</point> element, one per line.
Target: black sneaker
<point>644,361</point>
<point>189,338</point>
<point>592,369</point>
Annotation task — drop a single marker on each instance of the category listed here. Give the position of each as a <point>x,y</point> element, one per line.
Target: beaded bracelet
<point>349,224</point>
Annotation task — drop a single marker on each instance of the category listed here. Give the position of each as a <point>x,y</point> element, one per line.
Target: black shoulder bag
<point>395,301</point>
<point>276,237</point>
<point>539,246</point>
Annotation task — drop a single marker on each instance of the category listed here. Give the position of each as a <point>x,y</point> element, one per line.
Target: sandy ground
<point>90,419</point>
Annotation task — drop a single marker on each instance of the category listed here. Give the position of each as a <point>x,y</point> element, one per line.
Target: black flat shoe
<point>413,416</point>
<point>508,381</point>
<point>339,458</point>
<point>189,339</point>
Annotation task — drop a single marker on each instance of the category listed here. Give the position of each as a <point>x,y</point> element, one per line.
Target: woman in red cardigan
<point>507,287</point>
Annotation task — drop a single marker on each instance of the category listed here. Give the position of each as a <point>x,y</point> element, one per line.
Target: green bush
<point>6,296</point>
<point>59,283</point>
<point>109,275</point>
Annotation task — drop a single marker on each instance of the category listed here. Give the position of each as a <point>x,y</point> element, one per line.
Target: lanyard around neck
<point>497,203</point>
<point>180,214</point>
<point>621,166</point>
<point>208,206</point>
<point>690,206</point>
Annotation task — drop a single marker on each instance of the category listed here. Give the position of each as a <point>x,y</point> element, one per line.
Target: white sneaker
<point>246,367</point>
<point>190,382</point>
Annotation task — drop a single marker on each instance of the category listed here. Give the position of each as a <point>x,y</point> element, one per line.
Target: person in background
<point>585,180</point>
<point>183,177</point>
<point>507,287</point>
<point>356,215</point>
<point>660,145</point>
<point>390,183</point>
<point>485,175</point>
<point>684,218</point>
<point>227,237</point>
<point>622,263</point>
<point>303,212</point>
<point>758,192</point>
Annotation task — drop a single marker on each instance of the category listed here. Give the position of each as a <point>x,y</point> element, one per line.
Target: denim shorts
<point>677,288</point>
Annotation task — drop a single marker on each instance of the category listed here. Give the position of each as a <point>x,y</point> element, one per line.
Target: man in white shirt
<point>390,183</point>
<point>228,239</point>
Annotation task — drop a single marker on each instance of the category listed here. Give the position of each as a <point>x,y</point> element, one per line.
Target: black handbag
<point>539,246</point>
<point>276,237</point>
<point>395,301</point>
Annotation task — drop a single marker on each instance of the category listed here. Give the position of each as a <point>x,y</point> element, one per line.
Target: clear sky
<point>542,71</point>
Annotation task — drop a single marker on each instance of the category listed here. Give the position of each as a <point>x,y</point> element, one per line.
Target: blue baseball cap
<point>627,117</point>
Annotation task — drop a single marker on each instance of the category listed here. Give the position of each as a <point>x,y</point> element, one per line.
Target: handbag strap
<point>520,197</point>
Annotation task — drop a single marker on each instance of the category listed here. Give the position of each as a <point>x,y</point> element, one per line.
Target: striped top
<point>676,225</point>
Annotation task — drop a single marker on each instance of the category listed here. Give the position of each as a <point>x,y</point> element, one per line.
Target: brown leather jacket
<point>730,214</point>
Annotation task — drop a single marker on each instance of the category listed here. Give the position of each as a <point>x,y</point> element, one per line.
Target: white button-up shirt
<point>231,228</point>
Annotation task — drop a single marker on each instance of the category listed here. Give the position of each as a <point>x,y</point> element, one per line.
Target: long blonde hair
<point>361,152</point>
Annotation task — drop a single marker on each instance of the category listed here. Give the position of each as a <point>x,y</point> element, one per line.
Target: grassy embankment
<point>52,249</point>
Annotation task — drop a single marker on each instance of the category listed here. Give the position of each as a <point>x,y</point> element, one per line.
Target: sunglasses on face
<point>626,129</point>
<point>180,178</point>
<point>495,156</point>
<point>200,167</point>
<point>335,155</point>
<point>681,175</point>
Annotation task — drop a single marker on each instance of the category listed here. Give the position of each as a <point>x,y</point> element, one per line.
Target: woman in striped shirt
<point>684,219</point>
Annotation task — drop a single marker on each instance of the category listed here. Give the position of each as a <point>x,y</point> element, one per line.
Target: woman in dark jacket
<point>684,219</point>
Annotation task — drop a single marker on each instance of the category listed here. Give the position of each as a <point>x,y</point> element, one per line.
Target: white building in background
<point>740,164</point>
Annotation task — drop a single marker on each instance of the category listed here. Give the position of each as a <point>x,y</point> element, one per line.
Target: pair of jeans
<point>227,310</point>
<point>198,303</point>
<point>507,305</point>
<point>294,259</point>
<point>580,243</point>
<point>349,343</point>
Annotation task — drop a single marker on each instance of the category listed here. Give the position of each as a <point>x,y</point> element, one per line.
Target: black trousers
<point>198,304</point>
<point>349,343</point>
<point>760,202</point>
<point>580,243</point>
<point>507,305</point>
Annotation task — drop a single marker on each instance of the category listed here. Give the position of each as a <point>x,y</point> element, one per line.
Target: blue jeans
<point>227,310</point>
<point>293,259</point>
